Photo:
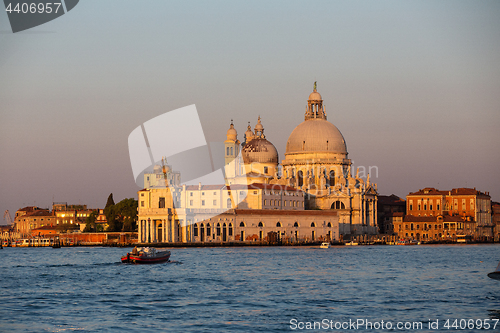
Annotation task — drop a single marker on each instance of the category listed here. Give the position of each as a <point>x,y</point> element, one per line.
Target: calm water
<point>245,289</point>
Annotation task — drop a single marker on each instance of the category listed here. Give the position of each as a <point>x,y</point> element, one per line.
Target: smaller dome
<point>231,133</point>
<point>259,150</point>
<point>315,96</point>
<point>157,169</point>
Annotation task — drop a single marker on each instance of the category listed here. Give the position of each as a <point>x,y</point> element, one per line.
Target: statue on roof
<point>315,86</point>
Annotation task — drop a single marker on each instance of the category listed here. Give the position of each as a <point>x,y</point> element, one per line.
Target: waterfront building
<point>390,209</point>
<point>31,217</point>
<point>432,228</point>
<point>314,197</point>
<point>470,209</point>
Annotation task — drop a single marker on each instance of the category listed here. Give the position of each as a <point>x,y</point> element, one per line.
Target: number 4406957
<point>463,324</point>
<point>34,8</point>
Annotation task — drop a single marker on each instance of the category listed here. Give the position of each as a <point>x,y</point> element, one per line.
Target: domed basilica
<point>312,196</point>
<point>316,162</point>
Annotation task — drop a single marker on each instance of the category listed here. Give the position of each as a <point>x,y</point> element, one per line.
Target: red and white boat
<point>146,255</point>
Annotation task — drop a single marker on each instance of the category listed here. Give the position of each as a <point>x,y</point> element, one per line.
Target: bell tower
<point>231,151</point>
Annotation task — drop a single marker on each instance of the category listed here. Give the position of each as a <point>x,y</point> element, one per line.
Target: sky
<point>412,85</point>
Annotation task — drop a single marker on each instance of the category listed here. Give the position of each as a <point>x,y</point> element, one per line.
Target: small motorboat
<point>496,274</point>
<point>351,243</point>
<point>324,246</point>
<point>146,255</point>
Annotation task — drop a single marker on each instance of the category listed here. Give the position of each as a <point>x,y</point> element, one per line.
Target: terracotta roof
<point>466,191</point>
<point>41,212</point>
<point>395,214</point>
<point>28,209</point>
<point>455,191</point>
<point>429,191</point>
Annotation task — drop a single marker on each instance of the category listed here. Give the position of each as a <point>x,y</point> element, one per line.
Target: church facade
<point>311,196</point>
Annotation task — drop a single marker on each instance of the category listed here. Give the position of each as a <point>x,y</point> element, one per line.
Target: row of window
<point>209,229</point>
<point>419,206</point>
<point>279,225</point>
<point>277,203</point>
<point>410,227</point>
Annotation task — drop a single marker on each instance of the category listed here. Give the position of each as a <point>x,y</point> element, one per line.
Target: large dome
<point>259,150</point>
<point>316,135</point>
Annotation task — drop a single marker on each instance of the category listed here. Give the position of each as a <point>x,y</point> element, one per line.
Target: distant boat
<point>325,245</point>
<point>407,242</point>
<point>146,255</point>
<point>496,274</point>
<point>56,243</point>
<point>351,243</point>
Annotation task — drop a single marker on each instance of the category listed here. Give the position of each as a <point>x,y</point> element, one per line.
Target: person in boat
<point>134,251</point>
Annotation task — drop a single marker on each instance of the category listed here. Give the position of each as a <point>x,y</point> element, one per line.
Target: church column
<point>155,231</point>
<point>164,224</point>
<point>172,230</point>
<point>140,231</point>
<point>148,234</point>
<point>183,231</point>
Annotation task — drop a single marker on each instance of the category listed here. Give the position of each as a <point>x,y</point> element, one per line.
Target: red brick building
<point>464,211</point>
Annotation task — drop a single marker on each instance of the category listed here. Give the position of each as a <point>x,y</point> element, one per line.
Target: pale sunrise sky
<point>414,87</point>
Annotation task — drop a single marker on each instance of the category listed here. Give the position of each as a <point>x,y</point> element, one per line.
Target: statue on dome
<point>315,86</point>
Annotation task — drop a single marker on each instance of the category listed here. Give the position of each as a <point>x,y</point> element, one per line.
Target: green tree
<point>110,201</point>
<point>122,216</point>
<point>127,213</point>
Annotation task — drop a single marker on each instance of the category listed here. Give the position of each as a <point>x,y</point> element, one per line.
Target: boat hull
<point>494,275</point>
<point>138,259</point>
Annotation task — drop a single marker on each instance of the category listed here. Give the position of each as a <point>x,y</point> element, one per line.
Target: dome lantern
<point>315,108</point>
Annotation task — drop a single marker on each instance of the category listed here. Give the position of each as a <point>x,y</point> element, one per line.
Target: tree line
<point>120,217</point>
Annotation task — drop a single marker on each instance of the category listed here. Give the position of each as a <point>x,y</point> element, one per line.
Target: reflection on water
<point>244,289</point>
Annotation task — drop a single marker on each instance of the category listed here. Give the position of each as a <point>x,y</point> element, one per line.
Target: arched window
<point>230,231</point>
<point>329,225</point>
<point>300,176</point>
<point>231,150</point>
<point>229,203</point>
<point>313,225</point>
<point>195,230</point>
<point>261,225</point>
<point>296,225</point>
<point>332,178</point>
<point>278,224</point>
<point>227,151</point>
<point>242,224</point>
<point>266,170</point>
<point>338,205</point>
<point>208,229</point>
<point>218,229</point>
